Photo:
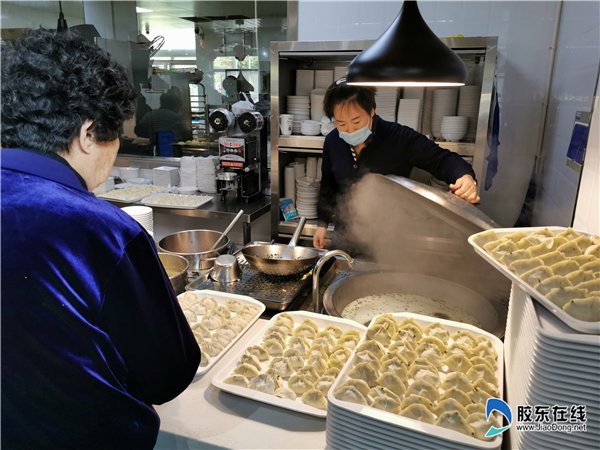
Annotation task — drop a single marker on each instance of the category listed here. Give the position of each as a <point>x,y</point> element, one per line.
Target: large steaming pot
<point>194,245</point>
<point>419,235</point>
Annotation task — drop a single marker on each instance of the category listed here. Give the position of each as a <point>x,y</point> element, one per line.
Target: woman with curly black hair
<point>92,333</point>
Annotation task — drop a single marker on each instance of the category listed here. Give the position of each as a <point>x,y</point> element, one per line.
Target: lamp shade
<point>408,53</point>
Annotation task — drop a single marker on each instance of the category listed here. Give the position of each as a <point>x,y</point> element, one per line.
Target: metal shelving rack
<point>288,56</point>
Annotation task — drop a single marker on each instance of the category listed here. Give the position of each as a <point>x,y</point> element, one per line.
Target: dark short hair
<point>52,83</point>
<point>339,92</point>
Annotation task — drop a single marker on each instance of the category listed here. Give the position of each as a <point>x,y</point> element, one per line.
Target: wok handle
<point>297,232</point>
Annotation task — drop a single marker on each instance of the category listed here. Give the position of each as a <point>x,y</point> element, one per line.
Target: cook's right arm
<point>145,322</point>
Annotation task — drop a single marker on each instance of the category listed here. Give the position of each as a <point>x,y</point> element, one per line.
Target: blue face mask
<point>356,137</point>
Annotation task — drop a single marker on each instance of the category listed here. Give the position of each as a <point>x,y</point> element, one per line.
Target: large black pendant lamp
<point>408,53</point>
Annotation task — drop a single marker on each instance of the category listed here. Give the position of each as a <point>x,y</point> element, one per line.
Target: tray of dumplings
<point>559,267</point>
<point>218,320</point>
<point>132,193</point>
<point>292,361</point>
<point>416,378</point>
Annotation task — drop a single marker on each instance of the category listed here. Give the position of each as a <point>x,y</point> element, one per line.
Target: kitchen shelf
<point>299,141</point>
<point>462,148</point>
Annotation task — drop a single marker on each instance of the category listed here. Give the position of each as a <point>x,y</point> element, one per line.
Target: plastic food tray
<point>178,201</point>
<point>576,324</point>
<point>133,193</point>
<point>295,405</point>
<point>221,298</point>
<point>403,426</point>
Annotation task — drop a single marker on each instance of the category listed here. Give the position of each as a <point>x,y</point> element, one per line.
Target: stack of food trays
<point>557,367</point>
<point>559,267</point>
<point>417,382</point>
<point>292,361</point>
<point>177,201</point>
<point>218,320</point>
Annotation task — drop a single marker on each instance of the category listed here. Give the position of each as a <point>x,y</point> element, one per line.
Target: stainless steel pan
<point>279,259</point>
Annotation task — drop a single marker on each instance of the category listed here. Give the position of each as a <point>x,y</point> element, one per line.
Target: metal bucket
<point>194,245</point>
<point>452,301</point>
<point>176,267</point>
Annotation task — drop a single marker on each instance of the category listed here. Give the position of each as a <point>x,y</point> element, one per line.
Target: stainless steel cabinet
<point>479,54</point>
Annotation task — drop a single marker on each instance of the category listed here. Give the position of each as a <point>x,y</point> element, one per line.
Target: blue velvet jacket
<point>392,149</point>
<point>92,334</point>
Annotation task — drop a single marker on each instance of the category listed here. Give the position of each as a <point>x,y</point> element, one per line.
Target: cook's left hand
<point>466,188</point>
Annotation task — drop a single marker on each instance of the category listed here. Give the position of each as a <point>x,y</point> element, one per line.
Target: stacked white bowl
<point>468,105</point>
<point>307,196</point>
<point>454,128</point>
<point>443,104</point>
<point>310,127</point>
<point>299,107</point>
<point>316,103</point>
<point>142,215</point>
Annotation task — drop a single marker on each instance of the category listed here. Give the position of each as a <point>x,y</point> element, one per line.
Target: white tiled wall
<point>525,31</point>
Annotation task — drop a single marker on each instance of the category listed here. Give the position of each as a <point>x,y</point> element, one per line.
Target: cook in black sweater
<point>363,142</point>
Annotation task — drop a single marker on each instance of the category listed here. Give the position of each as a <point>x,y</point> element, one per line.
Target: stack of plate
<point>558,366</point>
<point>443,104</point>
<point>307,196</point>
<point>409,112</point>
<point>468,105</point>
<point>142,215</point>
<point>316,103</point>
<point>310,127</point>
<point>305,81</point>
<point>385,99</point>
<point>454,128</point>
<point>299,107</point>
<point>323,78</point>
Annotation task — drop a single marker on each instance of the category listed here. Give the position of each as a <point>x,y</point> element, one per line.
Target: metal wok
<point>279,259</point>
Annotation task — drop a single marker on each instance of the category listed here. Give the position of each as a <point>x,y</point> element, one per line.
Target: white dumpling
<point>372,346</point>
<point>521,266</point>
<point>464,337</point>
<point>476,360</point>
<point>284,392</point>
<point>266,382</point>
<point>587,309</point>
<point>349,394</point>
<point>451,404</point>
<point>258,351</point>
<point>334,331</point>
<point>249,359</point>
<point>479,424</point>
<point>404,351</point>
<point>246,370</point>
<point>482,385</point>
<point>360,385</point>
<point>273,347</point>
<point>397,355</point>
<point>190,315</point>
<point>412,328</point>
<point>381,332</point>
<point>341,354</point>
<point>460,396</point>
<point>419,373</point>
<point>309,373</point>
<point>202,330</point>
<point>204,359</point>
<point>457,380</point>
<point>386,403</point>
<point>237,380</point>
<point>395,365</point>
<point>429,341</point>
<point>481,371</point>
<point>299,344</point>
<point>535,276</point>
<point>348,340</point>
<point>380,391</point>
<point>294,357</point>
<point>212,347</point>
<point>232,305</point>
<point>284,319</point>
<point>386,318</point>
<point>324,383</point>
<point>475,408</point>
<point>366,372</point>
<point>452,420</point>
<point>437,330</point>
<point>209,302</point>
<point>392,382</point>
<point>227,333</point>
<point>212,322</point>
<point>187,299</point>
<point>274,336</point>
<point>323,337</point>
<point>457,363</point>
<point>281,366</point>
<point>416,400</point>
<point>315,398</point>
<point>223,312</point>
<point>319,364</point>
<point>366,356</point>
<point>423,388</point>
<point>299,384</point>
<point>485,351</point>
<point>305,331</point>
<point>222,339</point>
<point>417,411</point>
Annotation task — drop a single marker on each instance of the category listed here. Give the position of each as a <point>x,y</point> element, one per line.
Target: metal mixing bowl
<point>194,245</point>
<point>176,267</point>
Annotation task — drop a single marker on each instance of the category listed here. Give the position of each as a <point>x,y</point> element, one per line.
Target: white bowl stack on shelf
<point>468,105</point>
<point>307,195</point>
<point>409,112</point>
<point>316,104</point>
<point>142,215</point>
<point>443,104</point>
<point>454,128</point>
<point>323,78</point>
<point>548,363</point>
<point>385,99</point>
<point>299,107</point>
<point>310,127</point>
